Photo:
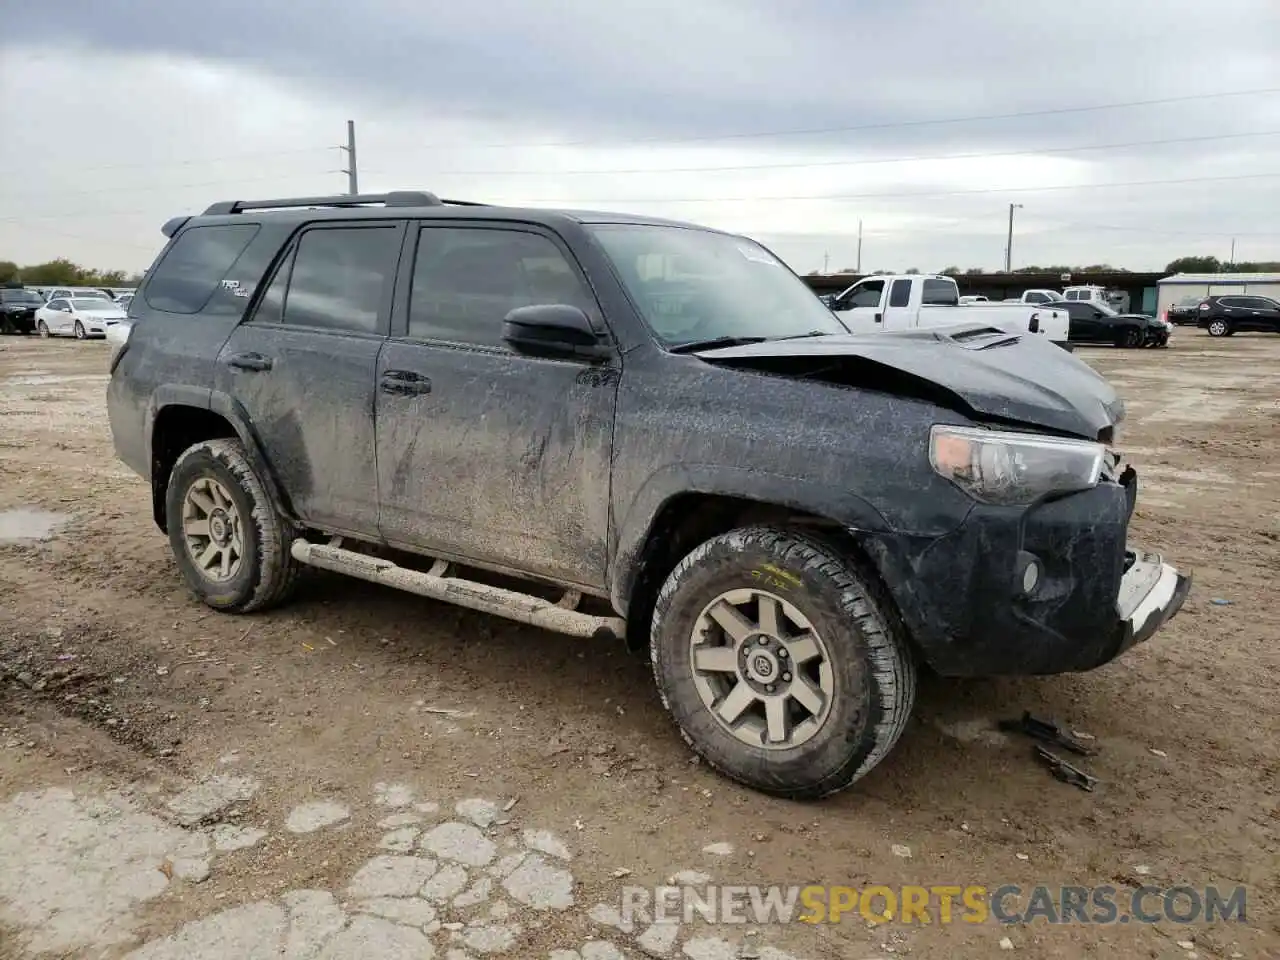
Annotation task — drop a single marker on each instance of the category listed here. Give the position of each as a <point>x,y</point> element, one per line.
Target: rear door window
<point>900,293</point>
<point>340,278</point>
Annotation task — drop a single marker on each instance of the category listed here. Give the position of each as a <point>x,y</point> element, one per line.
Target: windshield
<point>694,285</point>
<point>1054,296</point>
<point>20,296</point>
<point>93,303</point>
<point>1106,310</point>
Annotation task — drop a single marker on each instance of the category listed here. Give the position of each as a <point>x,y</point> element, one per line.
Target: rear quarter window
<point>194,267</point>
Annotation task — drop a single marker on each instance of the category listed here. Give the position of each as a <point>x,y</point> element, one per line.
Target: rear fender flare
<point>237,416</point>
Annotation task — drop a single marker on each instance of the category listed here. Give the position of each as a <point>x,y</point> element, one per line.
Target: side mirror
<point>553,330</point>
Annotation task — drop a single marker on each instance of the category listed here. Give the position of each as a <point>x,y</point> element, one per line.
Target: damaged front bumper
<point>1151,594</point>
<point>1047,589</point>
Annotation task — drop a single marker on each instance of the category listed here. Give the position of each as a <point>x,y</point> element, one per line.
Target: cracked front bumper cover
<point>1151,594</point>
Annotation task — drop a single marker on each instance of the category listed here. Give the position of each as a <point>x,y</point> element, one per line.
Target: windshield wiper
<point>811,333</point>
<point>693,346</point>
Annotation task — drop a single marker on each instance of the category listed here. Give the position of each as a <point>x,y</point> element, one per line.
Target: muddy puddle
<point>24,524</point>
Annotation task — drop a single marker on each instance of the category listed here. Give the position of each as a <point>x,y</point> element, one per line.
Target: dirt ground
<point>119,692</point>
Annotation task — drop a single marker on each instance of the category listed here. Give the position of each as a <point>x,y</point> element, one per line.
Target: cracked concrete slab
<point>310,817</point>
<point>401,904</point>
<point>73,869</point>
<point>391,877</point>
<point>210,797</point>
<point>460,842</point>
<point>540,885</point>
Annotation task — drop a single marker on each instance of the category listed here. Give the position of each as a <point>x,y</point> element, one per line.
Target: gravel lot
<point>183,784</point>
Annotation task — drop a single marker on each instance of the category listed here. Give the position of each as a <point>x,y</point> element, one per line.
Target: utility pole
<point>353,183</point>
<point>1008,250</point>
<point>1233,251</point>
<point>858,268</point>
<point>826,262</point>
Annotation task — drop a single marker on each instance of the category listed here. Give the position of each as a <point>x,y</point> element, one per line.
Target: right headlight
<point>1013,468</point>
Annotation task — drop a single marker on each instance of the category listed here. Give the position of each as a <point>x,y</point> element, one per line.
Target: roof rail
<point>396,198</point>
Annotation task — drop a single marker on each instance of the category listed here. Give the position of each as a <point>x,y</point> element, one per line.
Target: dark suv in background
<point>1227,314</point>
<point>18,307</point>
<point>604,424</point>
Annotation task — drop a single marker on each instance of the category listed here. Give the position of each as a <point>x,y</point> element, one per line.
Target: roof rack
<point>396,198</point>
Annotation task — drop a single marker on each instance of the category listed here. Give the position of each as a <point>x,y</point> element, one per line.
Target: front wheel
<point>80,334</point>
<point>1131,337</point>
<point>1219,328</point>
<point>780,662</point>
<point>230,542</point>
<point>43,329</point>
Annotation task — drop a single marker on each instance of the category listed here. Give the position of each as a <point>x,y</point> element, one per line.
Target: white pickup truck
<point>919,300</point>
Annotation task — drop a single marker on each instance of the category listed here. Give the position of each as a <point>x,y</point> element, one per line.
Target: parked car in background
<point>124,300</point>
<point>1224,315</point>
<point>887,303</point>
<point>1098,323</point>
<point>79,317</point>
<point>975,299</point>
<point>82,293</point>
<point>18,307</point>
<point>1184,312</point>
<point>1037,296</point>
<point>1088,294</point>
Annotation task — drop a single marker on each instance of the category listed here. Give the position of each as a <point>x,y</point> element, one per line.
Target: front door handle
<point>404,383</point>
<point>249,361</point>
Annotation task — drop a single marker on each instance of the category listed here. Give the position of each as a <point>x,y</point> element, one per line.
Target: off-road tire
<point>268,573</point>
<point>875,673</point>
<point>1219,328</point>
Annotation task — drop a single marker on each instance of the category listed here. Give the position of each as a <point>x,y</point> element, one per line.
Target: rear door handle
<point>249,361</point>
<point>404,383</point>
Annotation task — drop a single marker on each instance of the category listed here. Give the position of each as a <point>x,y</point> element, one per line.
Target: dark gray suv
<point>658,430</point>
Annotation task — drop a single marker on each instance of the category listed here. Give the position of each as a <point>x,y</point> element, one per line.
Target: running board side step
<point>522,607</point>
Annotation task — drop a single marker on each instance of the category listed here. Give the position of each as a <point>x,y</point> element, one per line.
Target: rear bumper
<point>966,602</point>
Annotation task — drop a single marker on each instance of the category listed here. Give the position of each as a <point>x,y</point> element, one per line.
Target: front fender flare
<point>771,489</point>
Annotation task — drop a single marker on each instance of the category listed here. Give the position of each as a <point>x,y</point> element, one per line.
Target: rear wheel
<point>780,662</point>
<point>230,543</point>
<point>1219,328</point>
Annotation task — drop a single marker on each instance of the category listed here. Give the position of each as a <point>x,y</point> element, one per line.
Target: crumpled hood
<point>996,375</point>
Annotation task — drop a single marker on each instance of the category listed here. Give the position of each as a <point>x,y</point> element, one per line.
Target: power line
<point>156,188</point>
<point>579,202</point>
<point>853,163</point>
<point>894,196</point>
<point>892,125</point>
<point>182,163</point>
<point>657,138</point>
<point>152,188</point>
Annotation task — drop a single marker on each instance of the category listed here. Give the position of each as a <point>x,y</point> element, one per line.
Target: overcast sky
<point>786,121</point>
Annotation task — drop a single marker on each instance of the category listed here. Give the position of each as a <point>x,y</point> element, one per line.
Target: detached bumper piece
<point>1151,594</point>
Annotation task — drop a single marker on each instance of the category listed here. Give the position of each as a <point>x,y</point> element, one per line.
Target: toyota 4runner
<point>610,425</point>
